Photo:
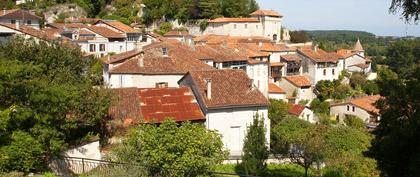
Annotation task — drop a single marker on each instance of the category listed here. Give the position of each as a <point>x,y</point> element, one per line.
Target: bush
<point>203,25</point>
<point>321,107</point>
<point>354,122</point>
<point>164,28</point>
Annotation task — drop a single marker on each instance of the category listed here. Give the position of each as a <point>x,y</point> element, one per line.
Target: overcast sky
<point>365,15</point>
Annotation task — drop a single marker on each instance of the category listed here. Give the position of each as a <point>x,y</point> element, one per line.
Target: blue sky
<point>364,15</point>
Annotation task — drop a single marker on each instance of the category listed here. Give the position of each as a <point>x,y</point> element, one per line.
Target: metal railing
<point>75,166</point>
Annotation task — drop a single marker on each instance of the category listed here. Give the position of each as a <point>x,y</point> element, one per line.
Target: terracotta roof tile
<point>367,103</point>
<point>219,54</point>
<point>273,88</point>
<point>296,109</point>
<point>31,31</point>
<point>181,59</point>
<point>229,88</point>
<point>361,65</point>
<point>18,14</point>
<point>276,64</point>
<point>118,25</point>
<point>105,32</point>
<point>237,20</point>
<point>81,20</point>
<point>346,53</point>
<point>298,81</point>
<point>120,57</point>
<point>154,105</point>
<point>176,34</point>
<point>291,57</point>
<point>320,55</point>
<point>266,13</point>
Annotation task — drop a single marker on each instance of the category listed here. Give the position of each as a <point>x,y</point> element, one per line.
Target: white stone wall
<point>242,29</point>
<point>353,60</point>
<point>142,81</point>
<point>316,74</point>
<point>232,124</point>
<point>259,73</point>
<point>341,111</point>
<point>277,96</point>
<point>308,115</point>
<point>272,25</point>
<point>301,93</point>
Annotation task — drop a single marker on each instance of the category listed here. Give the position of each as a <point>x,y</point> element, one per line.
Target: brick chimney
<point>208,90</point>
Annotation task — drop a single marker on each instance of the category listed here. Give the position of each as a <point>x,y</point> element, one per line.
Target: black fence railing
<point>75,166</point>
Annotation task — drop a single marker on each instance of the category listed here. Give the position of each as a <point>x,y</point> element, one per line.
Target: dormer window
<point>165,51</point>
<point>29,22</point>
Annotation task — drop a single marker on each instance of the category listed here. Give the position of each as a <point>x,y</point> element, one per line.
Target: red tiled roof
<point>81,20</point>
<point>220,39</point>
<point>105,32</point>
<point>154,105</point>
<point>291,57</point>
<point>276,64</point>
<point>229,88</point>
<point>296,109</point>
<point>181,59</point>
<point>361,65</point>
<point>219,54</point>
<point>179,104</point>
<point>266,13</point>
<point>176,34</point>
<point>120,57</point>
<point>31,31</point>
<point>298,81</point>
<point>366,103</point>
<point>18,14</point>
<point>273,88</point>
<point>238,20</point>
<point>346,53</point>
<point>118,25</point>
<point>320,55</point>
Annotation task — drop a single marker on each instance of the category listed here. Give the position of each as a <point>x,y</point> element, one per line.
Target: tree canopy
<point>170,149</point>
<point>410,9</point>
<point>48,102</point>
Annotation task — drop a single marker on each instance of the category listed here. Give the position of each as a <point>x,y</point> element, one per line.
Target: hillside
<point>340,36</point>
<point>129,11</point>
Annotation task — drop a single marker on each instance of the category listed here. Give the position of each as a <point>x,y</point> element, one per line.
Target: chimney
<point>260,44</point>
<point>251,84</point>
<point>141,61</point>
<point>17,24</point>
<point>316,47</point>
<point>208,90</point>
<point>4,11</point>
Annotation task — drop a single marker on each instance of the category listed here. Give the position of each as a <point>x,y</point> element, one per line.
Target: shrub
<point>354,122</point>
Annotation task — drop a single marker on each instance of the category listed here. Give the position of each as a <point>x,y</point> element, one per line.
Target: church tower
<point>358,48</point>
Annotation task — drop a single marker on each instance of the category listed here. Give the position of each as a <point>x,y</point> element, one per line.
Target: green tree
<point>403,57</point>
<point>410,9</point>
<point>255,150</point>
<point>357,80</point>
<point>354,122</point>
<point>321,107</point>
<point>299,36</point>
<point>277,110</point>
<point>396,144</point>
<point>48,98</point>
<point>170,149</point>
<point>299,141</point>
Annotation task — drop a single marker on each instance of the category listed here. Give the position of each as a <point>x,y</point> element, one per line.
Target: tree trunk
<point>306,171</point>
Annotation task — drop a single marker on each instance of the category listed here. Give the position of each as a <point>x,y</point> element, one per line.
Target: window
<point>353,109</point>
<point>13,21</point>
<point>102,47</point>
<point>246,26</point>
<point>29,22</point>
<point>333,71</point>
<point>348,108</point>
<point>256,26</point>
<point>161,85</point>
<point>121,48</point>
<point>275,37</point>
<point>325,72</point>
<point>234,26</point>
<point>92,48</point>
<point>144,38</point>
<point>165,51</point>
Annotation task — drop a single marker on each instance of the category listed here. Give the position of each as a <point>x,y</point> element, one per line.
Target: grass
<point>273,170</point>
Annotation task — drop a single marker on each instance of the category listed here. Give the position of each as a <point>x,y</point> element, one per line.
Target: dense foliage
<point>170,149</point>
<point>48,102</point>
<point>299,36</point>
<point>341,148</point>
<point>410,9</point>
<point>255,150</point>
<point>396,143</point>
<point>201,9</point>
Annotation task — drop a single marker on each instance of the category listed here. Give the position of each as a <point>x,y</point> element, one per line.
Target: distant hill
<point>341,36</point>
